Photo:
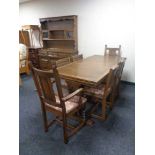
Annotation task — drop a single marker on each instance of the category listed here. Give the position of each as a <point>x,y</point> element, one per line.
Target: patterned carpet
<point>115,136</point>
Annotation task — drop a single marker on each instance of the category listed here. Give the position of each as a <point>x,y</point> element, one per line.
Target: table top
<point>89,71</point>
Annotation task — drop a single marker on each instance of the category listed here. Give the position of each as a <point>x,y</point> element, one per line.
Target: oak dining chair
<point>115,92</point>
<point>63,107</point>
<point>76,57</point>
<point>45,62</point>
<point>62,62</point>
<point>112,51</point>
<point>101,93</point>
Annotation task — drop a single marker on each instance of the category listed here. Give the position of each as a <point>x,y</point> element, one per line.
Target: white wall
<point>100,22</point>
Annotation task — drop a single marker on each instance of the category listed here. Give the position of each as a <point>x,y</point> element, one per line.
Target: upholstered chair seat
<point>70,105</point>
<point>95,92</point>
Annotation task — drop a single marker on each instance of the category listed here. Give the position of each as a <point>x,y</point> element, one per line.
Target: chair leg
<point>104,105</point>
<point>103,115</point>
<point>64,129</point>
<point>45,122</point>
<point>44,118</point>
<point>112,98</point>
<point>83,112</point>
<point>118,90</point>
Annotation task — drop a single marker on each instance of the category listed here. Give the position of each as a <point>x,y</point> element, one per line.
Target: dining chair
<point>115,92</point>
<point>72,84</point>
<point>101,93</point>
<point>63,107</point>
<point>62,62</point>
<point>45,62</point>
<point>112,51</point>
<point>76,57</point>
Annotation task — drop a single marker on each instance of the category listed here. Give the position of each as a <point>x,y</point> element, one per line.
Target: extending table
<point>90,71</point>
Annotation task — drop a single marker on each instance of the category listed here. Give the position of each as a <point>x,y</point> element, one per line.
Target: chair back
<point>76,57</point>
<point>112,51</point>
<point>109,84</point>
<point>45,62</point>
<point>120,71</point>
<point>62,62</point>
<point>44,85</point>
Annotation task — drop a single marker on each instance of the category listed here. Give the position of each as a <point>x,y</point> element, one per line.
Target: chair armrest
<point>66,98</point>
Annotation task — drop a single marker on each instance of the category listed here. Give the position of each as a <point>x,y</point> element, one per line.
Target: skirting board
<point>129,83</point>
